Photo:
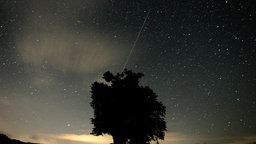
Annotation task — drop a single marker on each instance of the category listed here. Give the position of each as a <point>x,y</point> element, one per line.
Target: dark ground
<point>6,140</point>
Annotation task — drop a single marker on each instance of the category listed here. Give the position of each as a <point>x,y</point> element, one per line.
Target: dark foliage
<point>127,111</point>
<point>6,140</point>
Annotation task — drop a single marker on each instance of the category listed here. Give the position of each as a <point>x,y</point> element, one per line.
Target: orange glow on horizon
<point>85,138</point>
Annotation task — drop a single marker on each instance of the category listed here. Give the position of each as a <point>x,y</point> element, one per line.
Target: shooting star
<point>134,44</point>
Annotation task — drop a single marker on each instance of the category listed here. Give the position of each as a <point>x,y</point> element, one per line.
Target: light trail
<point>134,44</point>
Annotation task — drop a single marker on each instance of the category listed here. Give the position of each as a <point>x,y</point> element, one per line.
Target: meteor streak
<point>134,44</point>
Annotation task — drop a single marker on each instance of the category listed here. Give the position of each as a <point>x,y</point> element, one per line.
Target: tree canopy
<point>130,113</point>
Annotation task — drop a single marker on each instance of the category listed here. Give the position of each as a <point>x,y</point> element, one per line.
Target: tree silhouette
<point>130,113</point>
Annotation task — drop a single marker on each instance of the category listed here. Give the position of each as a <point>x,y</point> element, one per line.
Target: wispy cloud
<point>66,139</point>
<point>66,44</point>
<point>171,138</point>
<point>85,138</point>
<point>245,140</point>
<point>179,138</point>
<point>4,101</point>
<point>68,52</point>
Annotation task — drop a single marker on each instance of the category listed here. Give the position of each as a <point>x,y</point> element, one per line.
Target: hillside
<point>6,140</point>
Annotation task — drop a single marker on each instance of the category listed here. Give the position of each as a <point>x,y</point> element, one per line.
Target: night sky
<point>198,56</point>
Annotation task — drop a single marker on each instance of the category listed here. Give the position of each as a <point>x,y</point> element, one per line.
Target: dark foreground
<point>6,140</point>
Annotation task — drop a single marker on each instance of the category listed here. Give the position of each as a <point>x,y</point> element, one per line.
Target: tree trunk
<point>118,140</point>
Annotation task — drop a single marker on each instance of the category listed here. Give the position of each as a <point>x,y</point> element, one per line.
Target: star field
<point>198,56</point>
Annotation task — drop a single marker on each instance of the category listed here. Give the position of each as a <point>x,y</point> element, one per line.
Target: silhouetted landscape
<point>126,110</point>
<point>6,140</point>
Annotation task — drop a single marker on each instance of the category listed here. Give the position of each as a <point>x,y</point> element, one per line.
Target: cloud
<point>4,101</point>
<point>66,40</point>
<point>66,139</point>
<point>179,138</point>
<point>245,140</point>
<point>85,138</point>
<point>68,52</point>
<point>171,138</point>
<point>43,79</point>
